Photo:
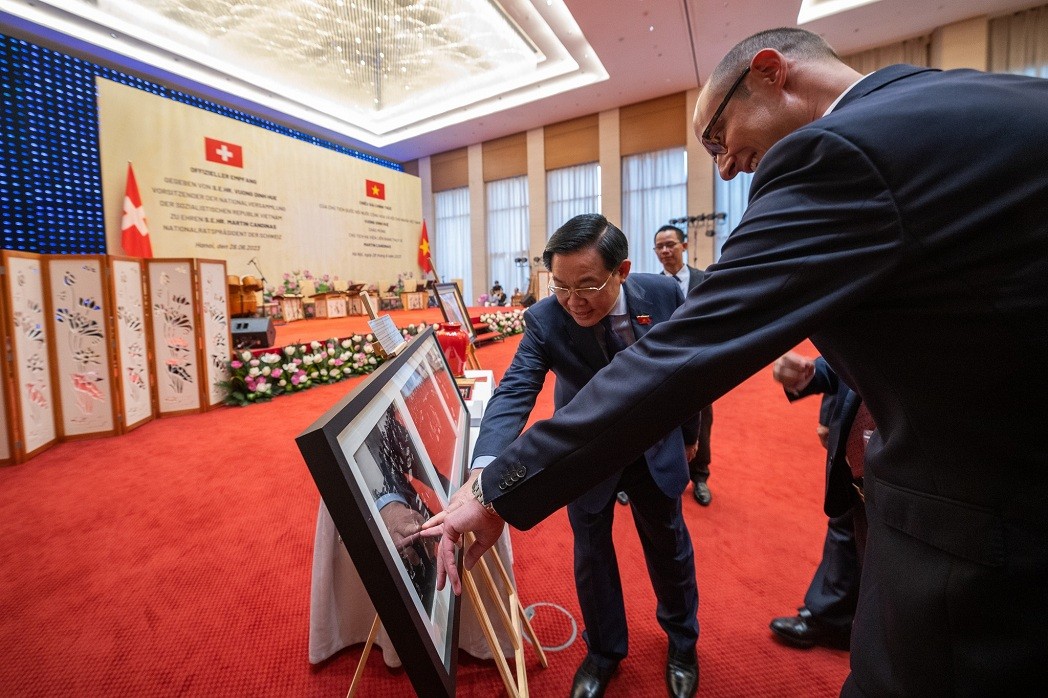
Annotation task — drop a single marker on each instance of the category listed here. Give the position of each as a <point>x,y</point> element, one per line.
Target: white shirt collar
<point>841,95</point>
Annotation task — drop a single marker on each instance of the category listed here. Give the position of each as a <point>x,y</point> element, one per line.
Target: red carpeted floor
<point>175,560</point>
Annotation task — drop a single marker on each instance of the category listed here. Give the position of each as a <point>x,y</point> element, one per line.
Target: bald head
<point>767,86</point>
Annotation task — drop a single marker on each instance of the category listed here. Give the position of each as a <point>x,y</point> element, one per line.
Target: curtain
<point>452,255</point>
<point>731,198</point>
<point>569,192</point>
<point>916,51</point>
<point>654,190</point>
<point>507,226</point>
<point>1019,43</point>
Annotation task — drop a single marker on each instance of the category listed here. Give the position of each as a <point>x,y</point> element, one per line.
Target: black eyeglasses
<point>713,147</point>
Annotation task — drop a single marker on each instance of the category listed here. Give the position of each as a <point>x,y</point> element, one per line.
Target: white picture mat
<point>351,442</point>
<point>6,454</point>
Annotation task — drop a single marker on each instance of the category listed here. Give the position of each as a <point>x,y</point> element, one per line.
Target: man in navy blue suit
<point>829,604</point>
<point>900,221</point>
<point>670,246</point>
<point>597,307</point>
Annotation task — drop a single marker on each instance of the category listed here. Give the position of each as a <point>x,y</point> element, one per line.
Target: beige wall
<point>958,45</point>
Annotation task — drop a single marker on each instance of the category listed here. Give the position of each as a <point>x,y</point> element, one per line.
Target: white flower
<point>372,361</point>
<point>315,344</point>
<point>289,350</point>
<point>282,383</point>
<point>346,344</point>
<point>270,358</point>
<point>368,348</point>
<point>254,372</point>
<point>245,356</point>
<point>266,370</point>
<point>370,337</point>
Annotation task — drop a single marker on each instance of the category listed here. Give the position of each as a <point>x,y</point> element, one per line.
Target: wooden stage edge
<point>320,329</point>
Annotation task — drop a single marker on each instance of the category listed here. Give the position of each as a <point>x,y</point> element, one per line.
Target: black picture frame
<point>400,439</point>
<point>453,308</point>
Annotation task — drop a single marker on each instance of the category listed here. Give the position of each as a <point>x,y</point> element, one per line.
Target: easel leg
<point>364,657</point>
<point>471,359</point>
<point>516,605</point>
<point>489,633</point>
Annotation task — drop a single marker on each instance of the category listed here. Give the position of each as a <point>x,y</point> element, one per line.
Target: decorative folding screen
<point>131,329</point>
<point>32,409</point>
<point>7,453</point>
<point>174,328</point>
<point>81,346</point>
<point>214,324</point>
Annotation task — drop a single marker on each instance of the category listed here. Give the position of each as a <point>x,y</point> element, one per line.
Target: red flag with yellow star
<point>424,260</point>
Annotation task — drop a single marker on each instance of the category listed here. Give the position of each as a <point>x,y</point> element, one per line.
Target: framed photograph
<point>453,308</point>
<point>385,459</point>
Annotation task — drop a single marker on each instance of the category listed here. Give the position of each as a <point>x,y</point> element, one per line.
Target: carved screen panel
<point>81,341</point>
<point>174,329</point>
<point>7,453</point>
<point>132,340</point>
<point>28,332</point>
<point>214,321</point>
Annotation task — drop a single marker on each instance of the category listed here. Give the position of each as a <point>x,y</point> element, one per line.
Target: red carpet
<point>175,560</point>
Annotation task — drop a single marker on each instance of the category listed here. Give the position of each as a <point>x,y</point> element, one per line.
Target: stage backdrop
<point>217,188</point>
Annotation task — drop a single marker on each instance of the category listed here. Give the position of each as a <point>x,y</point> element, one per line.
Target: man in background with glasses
<point>671,244</point>
<point>596,308</point>
<point>899,220</point>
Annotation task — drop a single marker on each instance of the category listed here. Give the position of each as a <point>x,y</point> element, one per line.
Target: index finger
<point>435,520</point>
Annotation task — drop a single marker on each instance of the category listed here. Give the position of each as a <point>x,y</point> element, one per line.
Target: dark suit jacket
<point>554,342</point>
<point>906,233</point>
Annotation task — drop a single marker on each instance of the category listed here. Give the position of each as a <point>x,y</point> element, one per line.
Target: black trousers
<point>670,561</point>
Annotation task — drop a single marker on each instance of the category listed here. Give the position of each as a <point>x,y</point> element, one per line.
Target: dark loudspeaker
<point>253,332</point>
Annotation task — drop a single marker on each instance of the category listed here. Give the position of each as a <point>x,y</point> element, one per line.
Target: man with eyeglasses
<point>595,308</point>
<point>670,247</point>
<point>899,220</point>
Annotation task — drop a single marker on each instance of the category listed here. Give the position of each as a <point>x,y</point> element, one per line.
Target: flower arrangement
<point>507,323</point>
<point>300,366</point>
<point>291,284</point>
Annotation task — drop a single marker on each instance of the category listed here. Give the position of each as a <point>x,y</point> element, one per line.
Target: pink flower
<point>235,364</point>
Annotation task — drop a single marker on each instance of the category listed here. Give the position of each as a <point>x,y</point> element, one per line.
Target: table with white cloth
<point>340,610</point>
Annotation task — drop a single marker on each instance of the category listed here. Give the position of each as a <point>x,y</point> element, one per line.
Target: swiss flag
<point>223,153</point>
<point>375,190</point>
<point>135,232</point>
<point>425,262</point>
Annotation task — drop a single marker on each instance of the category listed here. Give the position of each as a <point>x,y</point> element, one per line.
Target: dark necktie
<point>855,447</point>
<point>676,278</point>
<point>612,341</point>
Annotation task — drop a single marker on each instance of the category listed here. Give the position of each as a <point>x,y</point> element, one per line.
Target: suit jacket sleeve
<point>811,246</point>
<point>510,406</point>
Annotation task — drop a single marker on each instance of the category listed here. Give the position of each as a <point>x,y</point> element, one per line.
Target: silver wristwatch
<point>478,494</point>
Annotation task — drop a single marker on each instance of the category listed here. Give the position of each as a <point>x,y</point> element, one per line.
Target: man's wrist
<point>478,494</point>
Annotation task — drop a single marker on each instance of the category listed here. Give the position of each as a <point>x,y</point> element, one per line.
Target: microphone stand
<point>262,276</point>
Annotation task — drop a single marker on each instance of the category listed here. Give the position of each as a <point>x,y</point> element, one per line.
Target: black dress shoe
<point>702,494</point>
<point>623,498</point>
<point>591,680</point>
<point>682,674</point>
<point>804,630</point>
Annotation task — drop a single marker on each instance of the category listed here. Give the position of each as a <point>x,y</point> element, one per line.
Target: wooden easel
<point>514,620</point>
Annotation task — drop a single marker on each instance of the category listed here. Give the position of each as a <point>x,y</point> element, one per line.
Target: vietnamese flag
<point>135,232</point>
<point>375,190</point>
<point>425,262</point>
<point>223,153</point>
